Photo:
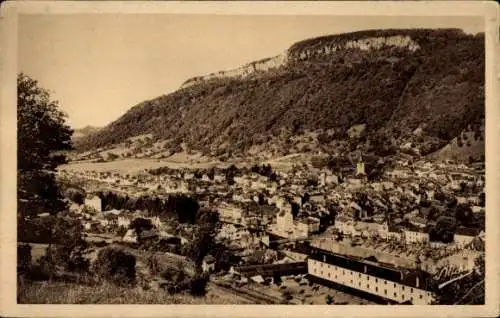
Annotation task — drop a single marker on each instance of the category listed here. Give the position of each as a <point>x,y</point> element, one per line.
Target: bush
<point>116,265</point>
<point>286,294</point>
<point>329,299</point>
<point>153,264</point>
<point>23,258</point>
<point>42,271</point>
<point>69,253</point>
<point>174,275</point>
<point>198,284</point>
<point>76,195</point>
<point>34,231</point>
<point>140,225</point>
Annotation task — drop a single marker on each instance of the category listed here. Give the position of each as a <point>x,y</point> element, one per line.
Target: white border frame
<point>10,11</point>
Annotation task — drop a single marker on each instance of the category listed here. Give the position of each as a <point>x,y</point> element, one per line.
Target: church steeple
<point>360,167</point>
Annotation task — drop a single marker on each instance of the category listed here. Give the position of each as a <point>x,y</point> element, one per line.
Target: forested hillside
<point>415,90</point>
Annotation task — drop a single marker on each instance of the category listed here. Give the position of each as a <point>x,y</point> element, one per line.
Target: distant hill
<point>380,91</point>
<point>468,146</point>
<point>84,132</point>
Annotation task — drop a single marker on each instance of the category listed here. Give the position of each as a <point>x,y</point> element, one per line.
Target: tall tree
<point>42,136</point>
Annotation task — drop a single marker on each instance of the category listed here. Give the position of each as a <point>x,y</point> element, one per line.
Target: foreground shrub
<point>69,253</point>
<point>173,275</point>
<point>23,258</point>
<point>42,271</point>
<point>38,230</point>
<point>116,265</point>
<point>196,286</point>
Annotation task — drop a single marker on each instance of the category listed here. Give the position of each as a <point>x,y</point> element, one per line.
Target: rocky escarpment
<point>392,82</point>
<point>263,65</point>
<point>301,52</point>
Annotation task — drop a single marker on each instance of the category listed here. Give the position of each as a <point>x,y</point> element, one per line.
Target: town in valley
<point>299,230</point>
<point>349,170</point>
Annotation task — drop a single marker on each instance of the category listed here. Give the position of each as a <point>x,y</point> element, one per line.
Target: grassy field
<point>136,165</point>
<point>107,293</point>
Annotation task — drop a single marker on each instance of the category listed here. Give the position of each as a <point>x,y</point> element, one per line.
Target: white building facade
<point>383,282</point>
<point>94,203</point>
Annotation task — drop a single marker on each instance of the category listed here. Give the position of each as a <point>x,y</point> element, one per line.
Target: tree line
<point>181,206</point>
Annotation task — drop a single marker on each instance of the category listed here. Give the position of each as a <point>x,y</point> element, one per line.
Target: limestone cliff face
<point>240,72</point>
<point>364,44</point>
<point>329,47</point>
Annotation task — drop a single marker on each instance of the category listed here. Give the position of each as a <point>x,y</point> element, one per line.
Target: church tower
<point>360,167</point>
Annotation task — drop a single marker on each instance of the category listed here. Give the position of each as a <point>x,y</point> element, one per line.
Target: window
<point>385,291</point>
<point>403,288</point>
<point>385,282</point>
<point>421,296</point>
<point>376,280</point>
<point>359,283</point>
<point>376,289</point>
<point>411,290</point>
<point>328,275</point>
<point>403,296</point>
<point>351,281</point>
<point>411,299</point>
<point>343,272</point>
<point>394,285</point>
<point>395,295</point>
<point>335,276</point>
<point>368,286</point>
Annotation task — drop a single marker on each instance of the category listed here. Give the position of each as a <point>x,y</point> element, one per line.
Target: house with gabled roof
<point>464,235</point>
<point>94,202</point>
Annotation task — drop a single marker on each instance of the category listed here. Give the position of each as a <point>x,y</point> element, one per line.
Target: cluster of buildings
<point>292,207</point>
<point>371,277</point>
<point>409,234</point>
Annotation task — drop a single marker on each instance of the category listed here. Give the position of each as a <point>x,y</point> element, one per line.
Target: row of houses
<point>462,236</point>
<point>288,227</point>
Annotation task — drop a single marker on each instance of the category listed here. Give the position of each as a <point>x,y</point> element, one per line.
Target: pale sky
<point>99,66</point>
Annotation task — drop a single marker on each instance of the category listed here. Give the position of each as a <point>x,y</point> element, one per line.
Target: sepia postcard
<point>253,159</point>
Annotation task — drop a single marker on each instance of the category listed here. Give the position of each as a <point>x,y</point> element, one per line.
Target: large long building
<point>369,276</point>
